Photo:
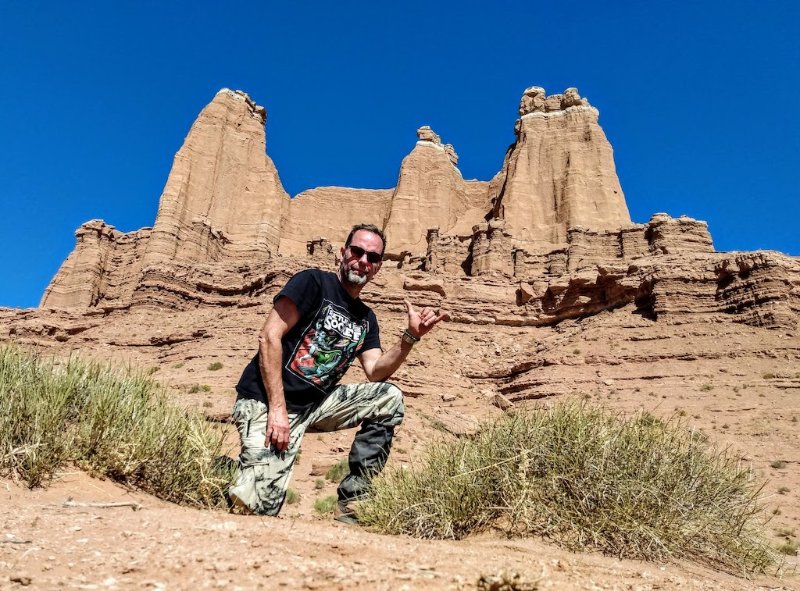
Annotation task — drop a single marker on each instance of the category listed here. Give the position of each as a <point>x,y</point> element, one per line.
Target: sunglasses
<point>358,252</point>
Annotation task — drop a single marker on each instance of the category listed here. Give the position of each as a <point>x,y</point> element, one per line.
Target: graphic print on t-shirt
<point>328,346</point>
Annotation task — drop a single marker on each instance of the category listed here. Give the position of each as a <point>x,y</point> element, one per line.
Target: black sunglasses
<point>372,257</point>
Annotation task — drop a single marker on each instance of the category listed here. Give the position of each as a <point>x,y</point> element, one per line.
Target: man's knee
<point>391,402</point>
<point>394,393</point>
<point>257,490</point>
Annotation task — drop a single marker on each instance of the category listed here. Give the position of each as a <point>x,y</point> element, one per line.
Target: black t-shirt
<point>332,330</point>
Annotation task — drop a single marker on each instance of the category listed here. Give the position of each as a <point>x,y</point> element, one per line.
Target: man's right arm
<point>281,319</point>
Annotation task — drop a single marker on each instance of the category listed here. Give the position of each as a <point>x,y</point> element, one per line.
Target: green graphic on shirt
<point>328,347</point>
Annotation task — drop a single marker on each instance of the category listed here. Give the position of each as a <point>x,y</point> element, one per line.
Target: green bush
<point>325,506</point>
<point>292,496</point>
<point>639,488</point>
<point>217,365</point>
<point>338,471</point>
<point>108,421</point>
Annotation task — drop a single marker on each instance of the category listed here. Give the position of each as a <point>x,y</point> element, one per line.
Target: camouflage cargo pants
<point>263,476</point>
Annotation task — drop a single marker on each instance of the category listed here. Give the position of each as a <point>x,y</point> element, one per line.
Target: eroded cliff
<point>548,238</point>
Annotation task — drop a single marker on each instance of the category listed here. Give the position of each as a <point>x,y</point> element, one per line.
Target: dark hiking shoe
<point>346,512</point>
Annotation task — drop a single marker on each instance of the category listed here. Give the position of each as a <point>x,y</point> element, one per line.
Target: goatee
<point>354,278</point>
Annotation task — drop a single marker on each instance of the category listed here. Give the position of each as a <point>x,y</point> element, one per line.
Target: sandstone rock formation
<point>330,212</point>
<point>548,238</point>
<point>559,173</point>
<point>223,197</point>
<point>102,271</point>
<point>222,202</point>
<point>430,193</point>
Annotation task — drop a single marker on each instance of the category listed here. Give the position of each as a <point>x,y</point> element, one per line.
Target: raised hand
<point>421,322</point>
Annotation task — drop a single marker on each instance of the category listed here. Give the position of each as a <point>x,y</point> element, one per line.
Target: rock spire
<point>223,196</point>
<point>559,173</point>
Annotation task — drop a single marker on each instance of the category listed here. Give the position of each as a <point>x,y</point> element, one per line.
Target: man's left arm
<point>380,365</point>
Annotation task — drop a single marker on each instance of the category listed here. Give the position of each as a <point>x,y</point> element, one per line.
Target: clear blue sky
<point>699,100</point>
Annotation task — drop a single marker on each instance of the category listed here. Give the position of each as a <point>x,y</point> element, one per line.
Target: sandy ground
<point>737,384</point>
<point>46,545</point>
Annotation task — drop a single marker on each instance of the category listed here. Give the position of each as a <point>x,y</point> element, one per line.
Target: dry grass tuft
<point>325,505</point>
<point>116,423</point>
<point>338,471</point>
<point>587,479</point>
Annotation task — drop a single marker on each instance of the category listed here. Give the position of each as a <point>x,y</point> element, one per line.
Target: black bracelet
<point>409,338</point>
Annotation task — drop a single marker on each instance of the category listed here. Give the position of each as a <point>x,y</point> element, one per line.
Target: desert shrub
<point>195,388</point>
<point>109,421</point>
<point>216,366</point>
<point>292,496</point>
<point>325,505</point>
<point>338,471</point>
<point>638,487</point>
<point>34,406</point>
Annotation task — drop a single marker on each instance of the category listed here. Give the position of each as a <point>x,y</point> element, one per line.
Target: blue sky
<point>697,98</point>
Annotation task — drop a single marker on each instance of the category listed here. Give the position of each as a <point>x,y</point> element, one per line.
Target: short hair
<point>369,228</point>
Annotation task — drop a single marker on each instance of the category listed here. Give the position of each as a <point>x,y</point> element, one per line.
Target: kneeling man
<point>317,327</point>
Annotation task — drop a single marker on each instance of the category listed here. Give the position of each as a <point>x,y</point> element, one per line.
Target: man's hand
<point>281,319</point>
<point>420,323</point>
<point>277,429</point>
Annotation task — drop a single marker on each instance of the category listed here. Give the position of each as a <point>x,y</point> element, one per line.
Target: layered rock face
<point>222,203</point>
<point>102,271</point>
<point>549,238</point>
<point>431,193</point>
<point>559,173</point>
<point>329,213</point>
<point>223,197</point>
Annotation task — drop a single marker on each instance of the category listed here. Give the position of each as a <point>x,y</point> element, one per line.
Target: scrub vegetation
<point>325,506</point>
<point>111,422</point>
<point>636,487</point>
<point>338,471</point>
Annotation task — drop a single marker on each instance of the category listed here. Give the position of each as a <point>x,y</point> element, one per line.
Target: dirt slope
<point>737,384</point>
<point>161,546</point>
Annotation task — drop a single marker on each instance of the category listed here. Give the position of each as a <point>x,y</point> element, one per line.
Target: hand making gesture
<point>420,323</point>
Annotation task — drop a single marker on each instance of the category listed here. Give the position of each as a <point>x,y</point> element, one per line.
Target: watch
<point>409,338</point>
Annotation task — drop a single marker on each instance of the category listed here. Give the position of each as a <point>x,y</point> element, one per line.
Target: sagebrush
<point>109,421</point>
<point>637,487</point>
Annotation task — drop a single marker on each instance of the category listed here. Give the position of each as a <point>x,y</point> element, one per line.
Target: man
<point>317,326</point>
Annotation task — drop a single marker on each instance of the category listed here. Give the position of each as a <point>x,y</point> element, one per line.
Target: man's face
<point>356,267</point>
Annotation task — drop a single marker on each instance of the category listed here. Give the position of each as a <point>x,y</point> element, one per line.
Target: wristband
<point>409,338</point>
